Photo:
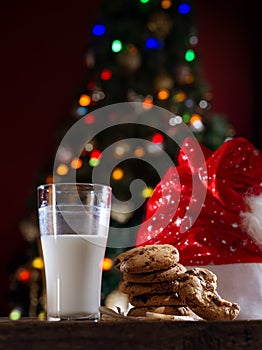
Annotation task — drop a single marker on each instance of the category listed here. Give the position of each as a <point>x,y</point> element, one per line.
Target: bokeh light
<point>99,29</point>
<point>116,46</point>
<point>62,169</point>
<point>107,264</point>
<point>118,174</point>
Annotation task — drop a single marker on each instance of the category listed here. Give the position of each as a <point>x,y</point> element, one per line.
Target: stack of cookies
<point>156,282</point>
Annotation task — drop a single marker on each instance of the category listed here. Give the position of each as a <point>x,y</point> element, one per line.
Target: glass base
<point>94,317</point>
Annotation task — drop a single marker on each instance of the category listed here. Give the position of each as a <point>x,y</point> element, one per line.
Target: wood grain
<point>162,335</point>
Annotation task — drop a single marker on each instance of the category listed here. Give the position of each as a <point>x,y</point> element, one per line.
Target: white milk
<point>73,274</point>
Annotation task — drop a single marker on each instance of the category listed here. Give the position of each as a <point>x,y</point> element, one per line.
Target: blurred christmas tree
<point>142,51</point>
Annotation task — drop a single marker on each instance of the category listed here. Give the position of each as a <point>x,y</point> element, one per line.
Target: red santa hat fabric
<point>228,228</point>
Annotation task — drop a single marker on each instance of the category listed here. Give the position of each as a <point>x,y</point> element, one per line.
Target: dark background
<point>42,63</point>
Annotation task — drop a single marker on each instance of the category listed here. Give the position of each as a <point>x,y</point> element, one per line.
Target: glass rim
<point>86,184</point>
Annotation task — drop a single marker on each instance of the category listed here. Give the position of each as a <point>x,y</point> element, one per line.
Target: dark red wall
<point>42,63</point>
<point>42,50</point>
<point>229,45</point>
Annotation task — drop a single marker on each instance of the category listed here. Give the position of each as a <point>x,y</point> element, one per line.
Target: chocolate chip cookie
<point>164,275</point>
<point>207,277</point>
<point>199,295</point>
<point>133,289</point>
<point>156,300</point>
<point>147,258</point>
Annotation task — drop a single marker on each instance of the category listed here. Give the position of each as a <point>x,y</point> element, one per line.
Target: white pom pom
<point>252,220</point>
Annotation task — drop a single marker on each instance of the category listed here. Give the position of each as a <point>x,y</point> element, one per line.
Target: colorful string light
<point>15,314</point>
<point>76,163</point>
<point>116,46</point>
<point>147,192</point>
<point>148,102</point>
<point>139,152</point>
<point>180,96</point>
<point>81,111</point>
<point>95,158</point>
<point>184,8</point>
<point>84,100</point>
<point>118,174</point>
<point>153,43</point>
<point>106,74</point>
<point>190,55</point>
<point>163,94</point>
<point>38,263</point>
<point>24,275</point>
<point>89,119</point>
<point>157,138</point>
<point>62,169</point>
<point>99,29</point>
<point>107,264</point>
<point>166,4</point>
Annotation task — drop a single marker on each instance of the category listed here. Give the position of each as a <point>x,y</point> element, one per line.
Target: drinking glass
<point>74,225</point>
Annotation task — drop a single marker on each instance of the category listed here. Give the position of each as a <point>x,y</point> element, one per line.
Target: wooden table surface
<point>27,334</point>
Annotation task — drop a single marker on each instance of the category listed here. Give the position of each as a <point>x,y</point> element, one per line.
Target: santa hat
<point>228,226</point>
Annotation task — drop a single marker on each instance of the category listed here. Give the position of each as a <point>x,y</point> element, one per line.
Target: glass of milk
<point>74,224</point>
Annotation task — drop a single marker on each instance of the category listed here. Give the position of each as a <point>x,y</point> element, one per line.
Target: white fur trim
<point>252,220</point>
